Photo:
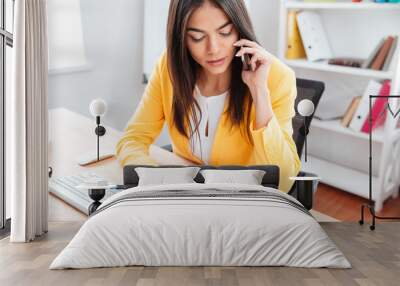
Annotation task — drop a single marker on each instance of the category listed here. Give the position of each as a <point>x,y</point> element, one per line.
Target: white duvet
<point>183,231</point>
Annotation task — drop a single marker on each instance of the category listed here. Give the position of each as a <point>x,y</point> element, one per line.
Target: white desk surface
<point>72,135</point>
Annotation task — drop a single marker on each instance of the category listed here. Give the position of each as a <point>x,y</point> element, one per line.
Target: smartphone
<point>246,62</point>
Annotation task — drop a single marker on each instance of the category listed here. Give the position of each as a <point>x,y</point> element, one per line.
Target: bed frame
<point>270,179</point>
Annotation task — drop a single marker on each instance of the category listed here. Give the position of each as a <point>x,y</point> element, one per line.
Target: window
<point>6,43</point>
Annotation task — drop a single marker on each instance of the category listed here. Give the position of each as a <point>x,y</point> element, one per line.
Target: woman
<point>217,112</point>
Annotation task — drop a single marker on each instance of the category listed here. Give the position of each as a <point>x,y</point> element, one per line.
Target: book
<point>295,48</point>
<point>367,63</point>
<point>361,113</point>
<point>377,64</point>
<point>344,61</point>
<point>348,115</point>
<point>378,110</point>
<point>313,36</point>
<point>390,55</point>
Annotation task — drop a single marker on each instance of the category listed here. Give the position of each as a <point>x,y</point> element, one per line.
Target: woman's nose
<point>213,45</point>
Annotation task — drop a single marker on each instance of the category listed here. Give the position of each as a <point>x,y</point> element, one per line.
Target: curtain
<point>28,123</point>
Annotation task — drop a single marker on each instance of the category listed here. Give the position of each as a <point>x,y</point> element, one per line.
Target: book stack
<point>382,55</point>
<point>357,115</point>
<point>349,62</point>
<point>306,38</point>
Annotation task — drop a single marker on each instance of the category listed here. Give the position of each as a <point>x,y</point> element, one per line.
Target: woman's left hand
<point>260,64</point>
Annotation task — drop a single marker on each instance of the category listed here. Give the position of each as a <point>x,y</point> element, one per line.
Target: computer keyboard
<point>65,189</point>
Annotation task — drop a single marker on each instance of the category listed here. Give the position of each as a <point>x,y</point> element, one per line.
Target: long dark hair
<point>183,69</point>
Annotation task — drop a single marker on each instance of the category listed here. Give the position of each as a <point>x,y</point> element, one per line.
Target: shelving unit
<point>334,126</point>
<point>338,154</point>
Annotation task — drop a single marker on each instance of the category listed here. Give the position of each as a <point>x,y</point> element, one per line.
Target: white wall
<point>112,39</point>
<point>265,17</point>
<point>66,49</point>
<point>112,33</point>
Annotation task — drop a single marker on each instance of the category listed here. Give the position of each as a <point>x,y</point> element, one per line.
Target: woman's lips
<point>217,62</point>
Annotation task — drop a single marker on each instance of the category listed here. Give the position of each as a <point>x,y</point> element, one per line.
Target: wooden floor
<point>344,206</point>
<point>375,257</point>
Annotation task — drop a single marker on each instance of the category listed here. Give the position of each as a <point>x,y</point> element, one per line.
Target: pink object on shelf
<point>379,106</point>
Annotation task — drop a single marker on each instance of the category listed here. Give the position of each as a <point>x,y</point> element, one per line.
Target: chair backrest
<point>306,89</point>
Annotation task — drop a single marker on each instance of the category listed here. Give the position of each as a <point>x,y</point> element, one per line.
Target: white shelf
<point>341,177</point>
<point>323,66</point>
<point>335,126</point>
<point>342,5</point>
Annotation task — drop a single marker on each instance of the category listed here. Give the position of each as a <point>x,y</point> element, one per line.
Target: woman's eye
<point>226,33</point>
<point>197,40</point>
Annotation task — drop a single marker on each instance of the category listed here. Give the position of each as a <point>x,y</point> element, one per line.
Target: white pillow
<point>248,177</point>
<point>162,176</point>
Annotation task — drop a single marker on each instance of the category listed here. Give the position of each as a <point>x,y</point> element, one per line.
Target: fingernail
<point>236,44</point>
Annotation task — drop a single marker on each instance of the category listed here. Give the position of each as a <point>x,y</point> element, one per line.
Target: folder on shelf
<point>367,63</point>
<point>313,36</point>
<point>361,114</point>
<point>390,55</point>
<point>351,110</point>
<point>295,48</point>
<point>378,62</point>
<point>378,110</point>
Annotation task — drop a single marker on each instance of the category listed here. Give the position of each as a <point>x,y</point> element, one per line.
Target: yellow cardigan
<point>273,144</point>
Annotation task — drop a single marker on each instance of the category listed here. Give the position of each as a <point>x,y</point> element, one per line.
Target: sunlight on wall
<point>66,46</point>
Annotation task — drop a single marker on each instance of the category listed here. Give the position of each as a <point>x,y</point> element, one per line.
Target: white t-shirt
<point>211,110</point>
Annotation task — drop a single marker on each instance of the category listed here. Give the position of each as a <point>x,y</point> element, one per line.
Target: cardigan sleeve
<point>273,144</point>
<point>145,124</point>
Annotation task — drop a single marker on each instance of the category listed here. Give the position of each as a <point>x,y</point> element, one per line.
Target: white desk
<point>72,135</point>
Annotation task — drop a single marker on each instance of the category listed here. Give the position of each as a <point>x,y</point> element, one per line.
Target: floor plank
<point>375,258</point>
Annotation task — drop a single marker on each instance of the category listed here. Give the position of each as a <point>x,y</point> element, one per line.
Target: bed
<point>201,224</point>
